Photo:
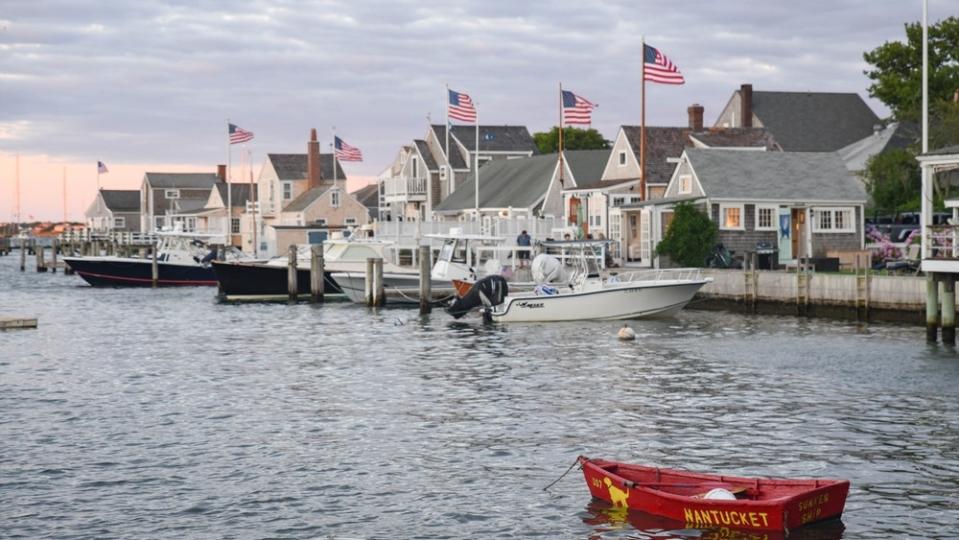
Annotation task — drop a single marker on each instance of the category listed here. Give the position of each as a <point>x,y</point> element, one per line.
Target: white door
<point>646,237</point>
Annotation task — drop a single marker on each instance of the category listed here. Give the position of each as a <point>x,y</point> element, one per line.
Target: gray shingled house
<point>169,199</point>
<point>114,210</point>
<point>422,175</point>
<point>526,186</point>
<point>799,203</point>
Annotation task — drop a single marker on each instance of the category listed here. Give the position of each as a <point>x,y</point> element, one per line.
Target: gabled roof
<point>427,154</point>
<point>121,200</point>
<point>240,193</point>
<point>368,196</point>
<point>814,121</point>
<point>182,180</point>
<point>293,166</point>
<point>504,183</point>
<point>586,165</point>
<point>661,143</point>
<point>308,197</point>
<point>806,176</point>
<point>491,138</point>
<point>736,137</point>
<point>456,159</point>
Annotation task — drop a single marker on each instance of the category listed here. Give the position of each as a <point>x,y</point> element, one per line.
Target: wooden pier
<point>14,323</point>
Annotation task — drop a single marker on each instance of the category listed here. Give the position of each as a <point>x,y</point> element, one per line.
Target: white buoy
<point>626,333</point>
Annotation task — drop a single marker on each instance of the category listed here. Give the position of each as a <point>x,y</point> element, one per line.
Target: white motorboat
<point>398,287</point>
<point>587,293</point>
<point>648,293</point>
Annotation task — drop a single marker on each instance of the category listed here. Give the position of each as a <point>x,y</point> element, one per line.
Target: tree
<point>690,236</point>
<point>897,69</point>
<point>893,181</point>
<point>573,139</point>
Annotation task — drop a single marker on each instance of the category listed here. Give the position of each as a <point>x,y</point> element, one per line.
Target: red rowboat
<point>761,504</point>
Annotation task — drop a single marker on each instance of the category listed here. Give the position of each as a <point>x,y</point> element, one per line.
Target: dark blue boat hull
<point>252,280</point>
<point>139,273</point>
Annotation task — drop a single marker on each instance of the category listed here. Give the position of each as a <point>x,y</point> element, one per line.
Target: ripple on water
<point>163,414</point>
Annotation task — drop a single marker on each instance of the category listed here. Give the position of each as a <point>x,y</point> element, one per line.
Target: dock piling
<point>425,284</point>
<point>53,255</point>
<point>41,263</point>
<point>292,288</point>
<point>23,254</point>
<point>317,273</point>
<point>932,308</point>
<point>368,283</point>
<point>154,268</point>
<point>949,309</point>
<point>379,297</point>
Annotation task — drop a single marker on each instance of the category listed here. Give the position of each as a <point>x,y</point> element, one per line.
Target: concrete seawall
<point>847,296</point>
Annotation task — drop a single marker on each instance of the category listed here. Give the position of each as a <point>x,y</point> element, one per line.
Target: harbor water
<point>138,413</point>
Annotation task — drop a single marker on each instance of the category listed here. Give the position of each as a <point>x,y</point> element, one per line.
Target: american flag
<point>658,68</point>
<point>345,152</point>
<point>102,167</point>
<point>577,109</point>
<point>239,135</point>
<point>461,107</point>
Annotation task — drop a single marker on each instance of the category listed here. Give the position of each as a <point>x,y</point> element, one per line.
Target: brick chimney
<point>221,172</point>
<point>746,105</point>
<point>313,174</point>
<point>695,117</point>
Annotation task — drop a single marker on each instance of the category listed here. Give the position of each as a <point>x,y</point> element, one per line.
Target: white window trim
<point>119,222</point>
<point>287,188</point>
<point>235,225</point>
<point>722,217</point>
<point>349,221</point>
<point>689,186</point>
<point>621,159</point>
<point>850,226</point>
<point>335,198</point>
<point>171,194</point>
<point>773,221</point>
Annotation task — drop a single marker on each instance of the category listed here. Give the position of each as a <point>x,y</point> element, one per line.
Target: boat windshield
<point>453,250</point>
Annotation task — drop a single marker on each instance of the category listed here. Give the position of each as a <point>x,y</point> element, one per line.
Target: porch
<point>402,189</point>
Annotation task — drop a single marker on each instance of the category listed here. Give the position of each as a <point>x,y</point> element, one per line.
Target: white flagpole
<point>449,159</point>
<point>925,77</point>
<point>229,195</point>
<point>476,161</point>
<point>255,200</point>
<point>98,176</point>
<point>65,195</point>
<point>333,147</point>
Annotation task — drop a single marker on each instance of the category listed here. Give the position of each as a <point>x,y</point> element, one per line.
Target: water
<point>163,414</point>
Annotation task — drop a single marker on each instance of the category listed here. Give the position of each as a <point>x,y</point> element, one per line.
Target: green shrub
<point>690,237</point>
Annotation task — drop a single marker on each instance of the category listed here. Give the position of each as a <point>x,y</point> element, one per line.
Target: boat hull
<point>263,281</point>
<point>766,504</point>
<point>126,272</point>
<point>398,288</point>
<point>625,301</point>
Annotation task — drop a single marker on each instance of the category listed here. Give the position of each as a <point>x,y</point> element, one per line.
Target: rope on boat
<point>551,484</point>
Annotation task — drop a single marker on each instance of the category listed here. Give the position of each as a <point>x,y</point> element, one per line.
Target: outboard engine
<point>485,293</point>
<point>546,269</point>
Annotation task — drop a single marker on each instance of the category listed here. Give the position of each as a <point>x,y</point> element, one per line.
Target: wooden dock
<point>11,323</point>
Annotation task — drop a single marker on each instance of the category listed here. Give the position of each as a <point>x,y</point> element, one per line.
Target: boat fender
<point>720,494</point>
<point>626,333</point>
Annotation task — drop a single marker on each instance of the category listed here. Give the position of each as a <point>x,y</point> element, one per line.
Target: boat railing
<point>658,274</point>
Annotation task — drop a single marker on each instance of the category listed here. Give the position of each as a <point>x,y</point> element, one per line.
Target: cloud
<point>155,81</point>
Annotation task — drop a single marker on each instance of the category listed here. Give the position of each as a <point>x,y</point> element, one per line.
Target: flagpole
<point>98,176</point>
<point>255,199</point>
<point>476,170</point>
<point>65,195</point>
<point>561,134</point>
<point>18,193</point>
<point>333,146</point>
<point>229,195</point>
<point>642,129</point>
<point>449,160</point>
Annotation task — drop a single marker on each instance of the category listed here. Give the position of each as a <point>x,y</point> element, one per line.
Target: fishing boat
<point>182,260</point>
<point>699,500</point>
<point>586,291</point>
<point>399,287</point>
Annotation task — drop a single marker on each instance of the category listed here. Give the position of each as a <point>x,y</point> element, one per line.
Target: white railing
<point>123,238</point>
<point>941,242</point>
<point>663,274</point>
<point>399,186</point>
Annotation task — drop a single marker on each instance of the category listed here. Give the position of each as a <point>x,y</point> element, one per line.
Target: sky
<point>149,85</point>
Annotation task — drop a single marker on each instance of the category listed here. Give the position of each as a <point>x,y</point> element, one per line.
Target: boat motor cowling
<point>485,293</point>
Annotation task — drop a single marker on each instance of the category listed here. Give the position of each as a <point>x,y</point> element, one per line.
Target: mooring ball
<point>626,333</point>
